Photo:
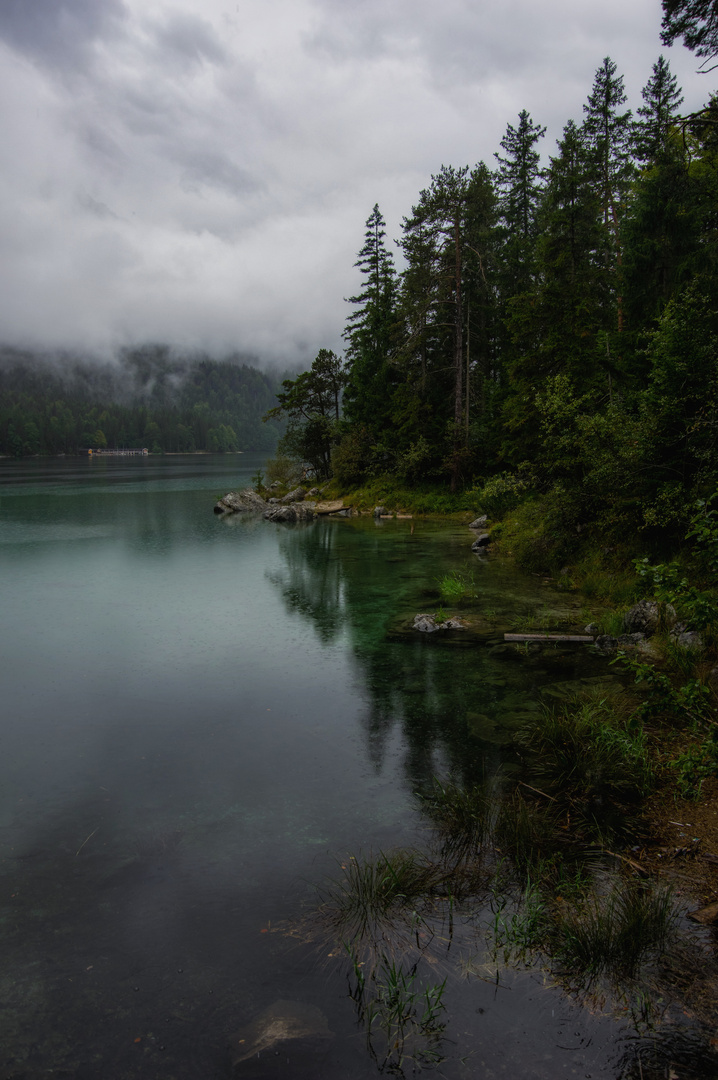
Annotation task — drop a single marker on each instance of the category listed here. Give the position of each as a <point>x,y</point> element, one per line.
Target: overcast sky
<point>200,171</point>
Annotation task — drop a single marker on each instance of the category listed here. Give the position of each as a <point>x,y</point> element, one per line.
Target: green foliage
<point>694,765</point>
<point>311,403</point>
<point>503,493</point>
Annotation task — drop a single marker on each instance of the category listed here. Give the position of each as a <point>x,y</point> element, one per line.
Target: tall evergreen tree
<point>662,98</point>
<point>370,331</point>
<point>557,327</point>
<point>438,252</point>
<point>608,132</point>
<point>518,179</point>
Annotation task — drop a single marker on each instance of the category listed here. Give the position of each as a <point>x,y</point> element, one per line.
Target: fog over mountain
<point>200,173</point>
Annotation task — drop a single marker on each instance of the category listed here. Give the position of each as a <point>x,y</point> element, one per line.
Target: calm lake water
<point>201,718</point>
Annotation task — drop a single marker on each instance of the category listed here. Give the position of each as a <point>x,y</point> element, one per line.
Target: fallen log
<point>548,637</point>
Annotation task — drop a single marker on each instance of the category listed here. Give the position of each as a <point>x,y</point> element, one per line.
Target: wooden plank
<point>548,637</point>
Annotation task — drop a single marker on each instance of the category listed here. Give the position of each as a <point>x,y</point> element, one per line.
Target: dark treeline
<point>553,333</point>
<point>148,397</point>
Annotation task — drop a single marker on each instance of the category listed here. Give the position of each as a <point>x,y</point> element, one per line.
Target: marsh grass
<point>461,817</point>
<point>376,900</point>
<point>407,1017</point>
<point>591,760</point>
<point>457,587</point>
<point>528,833</point>
<point>616,933</point>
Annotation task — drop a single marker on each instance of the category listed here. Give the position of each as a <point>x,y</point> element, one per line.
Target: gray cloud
<point>200,173</point>
<point>58,32</point>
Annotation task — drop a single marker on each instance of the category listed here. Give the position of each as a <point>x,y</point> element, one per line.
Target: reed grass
<point>615,933</point>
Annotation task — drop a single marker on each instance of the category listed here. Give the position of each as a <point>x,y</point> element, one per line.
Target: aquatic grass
<point>461,817</point>
<point>590,760</point>
<point>457,586</point>
<point>616,933</point>
<point>518,929</point>
<point>408,1015</point>
<point>375,892</point>
<point>528,833</point>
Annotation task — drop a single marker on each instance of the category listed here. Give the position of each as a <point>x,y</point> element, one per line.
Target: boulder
<point>482,540</point>
<point>238,502</point>
<point>330,507</point>
<point>479,522</point>
<point>604,643</point>
<point>380,511</point>
<point>646,617</point>
<point>686,639</point>
<point>293,496</point>
<point>295,512</point>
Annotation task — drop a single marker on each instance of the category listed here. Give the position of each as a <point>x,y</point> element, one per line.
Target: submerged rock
<point>427,624</point>
<point>289,1039</point>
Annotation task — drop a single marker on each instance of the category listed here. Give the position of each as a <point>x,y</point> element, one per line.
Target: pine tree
<point>370,331</point>
<point>661,100</point>
<point>696,21</point>
<point>442,244</point>
<point>608,133</point>
<point>518,179</point>
<point>558,326</point>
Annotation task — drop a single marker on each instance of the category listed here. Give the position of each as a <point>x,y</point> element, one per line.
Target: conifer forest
<point>551,335</point>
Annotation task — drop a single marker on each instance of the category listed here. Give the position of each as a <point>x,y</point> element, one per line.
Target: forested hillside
<point>552,334</point>
<point>148,397</point>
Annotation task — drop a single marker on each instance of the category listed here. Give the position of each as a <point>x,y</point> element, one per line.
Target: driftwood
<point>548,637</point>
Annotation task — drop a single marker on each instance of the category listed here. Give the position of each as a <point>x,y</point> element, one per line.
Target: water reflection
<point>455,706</point>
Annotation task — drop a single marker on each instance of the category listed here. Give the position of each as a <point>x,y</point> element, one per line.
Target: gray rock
<point>293,496</point>
<point>280,513</point>
<point>646,617</point>
<point>380,511</point>
<point>604,643</point>
<point>479,522</point>
<point>427,624</point>
<point>592,628</point>
<point>295,512</point>
<point>275,485</point>
<point>688,639</point>
<point>313,492</point>
<point>482,540</point>
<point>238,502</point>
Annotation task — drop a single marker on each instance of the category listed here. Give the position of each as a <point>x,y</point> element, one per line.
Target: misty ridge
<point>153,395</point>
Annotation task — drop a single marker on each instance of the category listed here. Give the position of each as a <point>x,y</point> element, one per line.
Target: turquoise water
<point>201,717</point>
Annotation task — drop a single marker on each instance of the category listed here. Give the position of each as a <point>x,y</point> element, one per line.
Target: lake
<point>203,718</point>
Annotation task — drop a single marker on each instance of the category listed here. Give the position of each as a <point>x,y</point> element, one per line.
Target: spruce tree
<point>696,21</point>
<point>518,179</point>
<point>608,132</point>
<point>370,331</point>
<point>662,98</point>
